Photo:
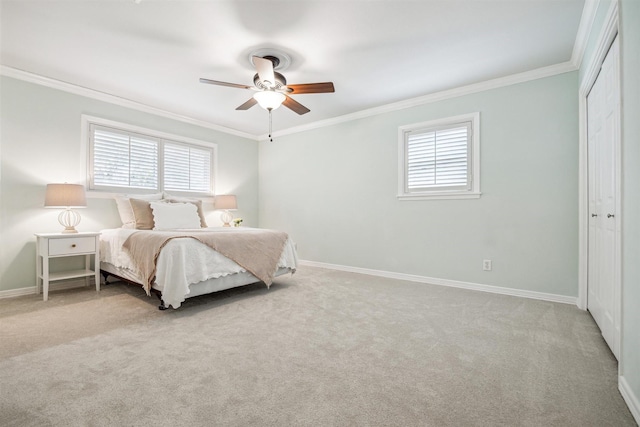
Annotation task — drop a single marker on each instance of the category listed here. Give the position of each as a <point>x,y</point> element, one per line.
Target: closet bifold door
<point>603,128</point>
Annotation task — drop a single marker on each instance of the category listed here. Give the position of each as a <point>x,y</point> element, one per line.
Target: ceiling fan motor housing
<point>280,83</point>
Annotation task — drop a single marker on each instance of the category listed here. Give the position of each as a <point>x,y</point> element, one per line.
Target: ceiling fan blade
<point>215,82</point>
<point>250,103</point>
<point>294,105</point>
<point>265,71</point>
<point>326,87</point>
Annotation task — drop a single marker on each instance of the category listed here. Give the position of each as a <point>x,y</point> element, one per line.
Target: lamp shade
<point>226,202</point>
<point>65,196</point>
<point>269,100</point>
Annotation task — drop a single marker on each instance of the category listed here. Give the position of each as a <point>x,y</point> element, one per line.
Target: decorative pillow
<point>143,215</point>
<point>125,210</point>
<point>196,202</point>
<point>171,216</point>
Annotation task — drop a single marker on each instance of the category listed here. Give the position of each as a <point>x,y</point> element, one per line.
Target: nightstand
<point>58,245</point>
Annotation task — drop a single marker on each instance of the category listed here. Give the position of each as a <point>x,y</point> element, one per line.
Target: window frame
<point>162,137</point>
<point>473,166</point>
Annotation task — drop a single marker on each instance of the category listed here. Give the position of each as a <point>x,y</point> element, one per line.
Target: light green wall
<point>41,143</point>
<point>630,67</point>
<point>334,190</point>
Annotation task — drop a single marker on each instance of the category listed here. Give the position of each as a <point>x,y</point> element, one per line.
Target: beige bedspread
<point>256,250</point>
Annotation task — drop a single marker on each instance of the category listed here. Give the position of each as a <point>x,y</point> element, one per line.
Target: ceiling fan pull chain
<point>270,121</point>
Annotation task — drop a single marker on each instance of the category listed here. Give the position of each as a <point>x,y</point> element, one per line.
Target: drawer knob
<point>73,246</point>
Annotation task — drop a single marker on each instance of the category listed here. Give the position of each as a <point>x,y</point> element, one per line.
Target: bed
<point>185,266</point>
<point>165,245</point>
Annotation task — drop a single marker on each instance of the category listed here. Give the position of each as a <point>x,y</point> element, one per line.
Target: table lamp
<point>66,196</point>
<point>226,203</point>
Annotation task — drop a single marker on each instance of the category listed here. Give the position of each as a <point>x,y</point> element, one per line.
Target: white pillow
<point>171,216</point>
<point>126,212</point>
<point>175,199</point>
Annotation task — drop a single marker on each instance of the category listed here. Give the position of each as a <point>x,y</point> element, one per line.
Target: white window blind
<point>186,168</point>
<point>129,157</point>
<point>438,158</point>
<point>124,160</point>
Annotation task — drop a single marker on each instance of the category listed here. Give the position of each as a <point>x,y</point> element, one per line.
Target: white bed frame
<point>195,289</point>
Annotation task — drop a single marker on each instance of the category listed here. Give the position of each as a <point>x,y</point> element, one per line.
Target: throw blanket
<point>257,251</point>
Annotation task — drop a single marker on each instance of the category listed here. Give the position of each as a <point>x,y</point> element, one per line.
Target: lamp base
<point>226,217</point>
<point>69,219</point>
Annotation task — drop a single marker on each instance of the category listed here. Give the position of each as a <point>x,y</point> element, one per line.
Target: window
<point>440,159</point>
<point>187,168</point>
<point>123,157</point>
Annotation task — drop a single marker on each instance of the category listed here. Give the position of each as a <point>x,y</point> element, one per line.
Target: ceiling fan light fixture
<point>269,100</point>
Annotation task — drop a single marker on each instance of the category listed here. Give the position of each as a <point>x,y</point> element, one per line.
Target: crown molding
<point>607,34</point>
<point>112,99</point>
<point>584,30</point>
<point>539,73</point>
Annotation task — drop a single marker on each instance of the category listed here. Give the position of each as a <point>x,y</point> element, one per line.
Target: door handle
<point>594,215</point>
<point>610,215</point>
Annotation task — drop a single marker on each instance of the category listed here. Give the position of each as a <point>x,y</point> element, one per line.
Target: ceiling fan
<point>272,89</point>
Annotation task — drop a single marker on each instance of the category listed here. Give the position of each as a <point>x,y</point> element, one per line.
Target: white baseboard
<point>30,290</point>
<point>380,273</point>
<point>446,282</point>
<point>12,293</point>
<point>629,397</point>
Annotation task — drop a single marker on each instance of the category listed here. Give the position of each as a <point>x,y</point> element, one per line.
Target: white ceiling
<point>375,52</point>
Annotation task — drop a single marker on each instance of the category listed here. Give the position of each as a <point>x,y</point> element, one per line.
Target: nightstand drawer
<point>70,246</point>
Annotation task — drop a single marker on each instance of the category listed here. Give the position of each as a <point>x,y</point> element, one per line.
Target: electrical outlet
<point>486,265</point>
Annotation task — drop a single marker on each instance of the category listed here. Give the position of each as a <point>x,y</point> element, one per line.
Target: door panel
<point>603,118</point>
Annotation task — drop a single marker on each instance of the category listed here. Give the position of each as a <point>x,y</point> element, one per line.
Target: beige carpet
<point>320,348</point>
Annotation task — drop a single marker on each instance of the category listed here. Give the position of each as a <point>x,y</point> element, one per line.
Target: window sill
<point>439,196</point>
